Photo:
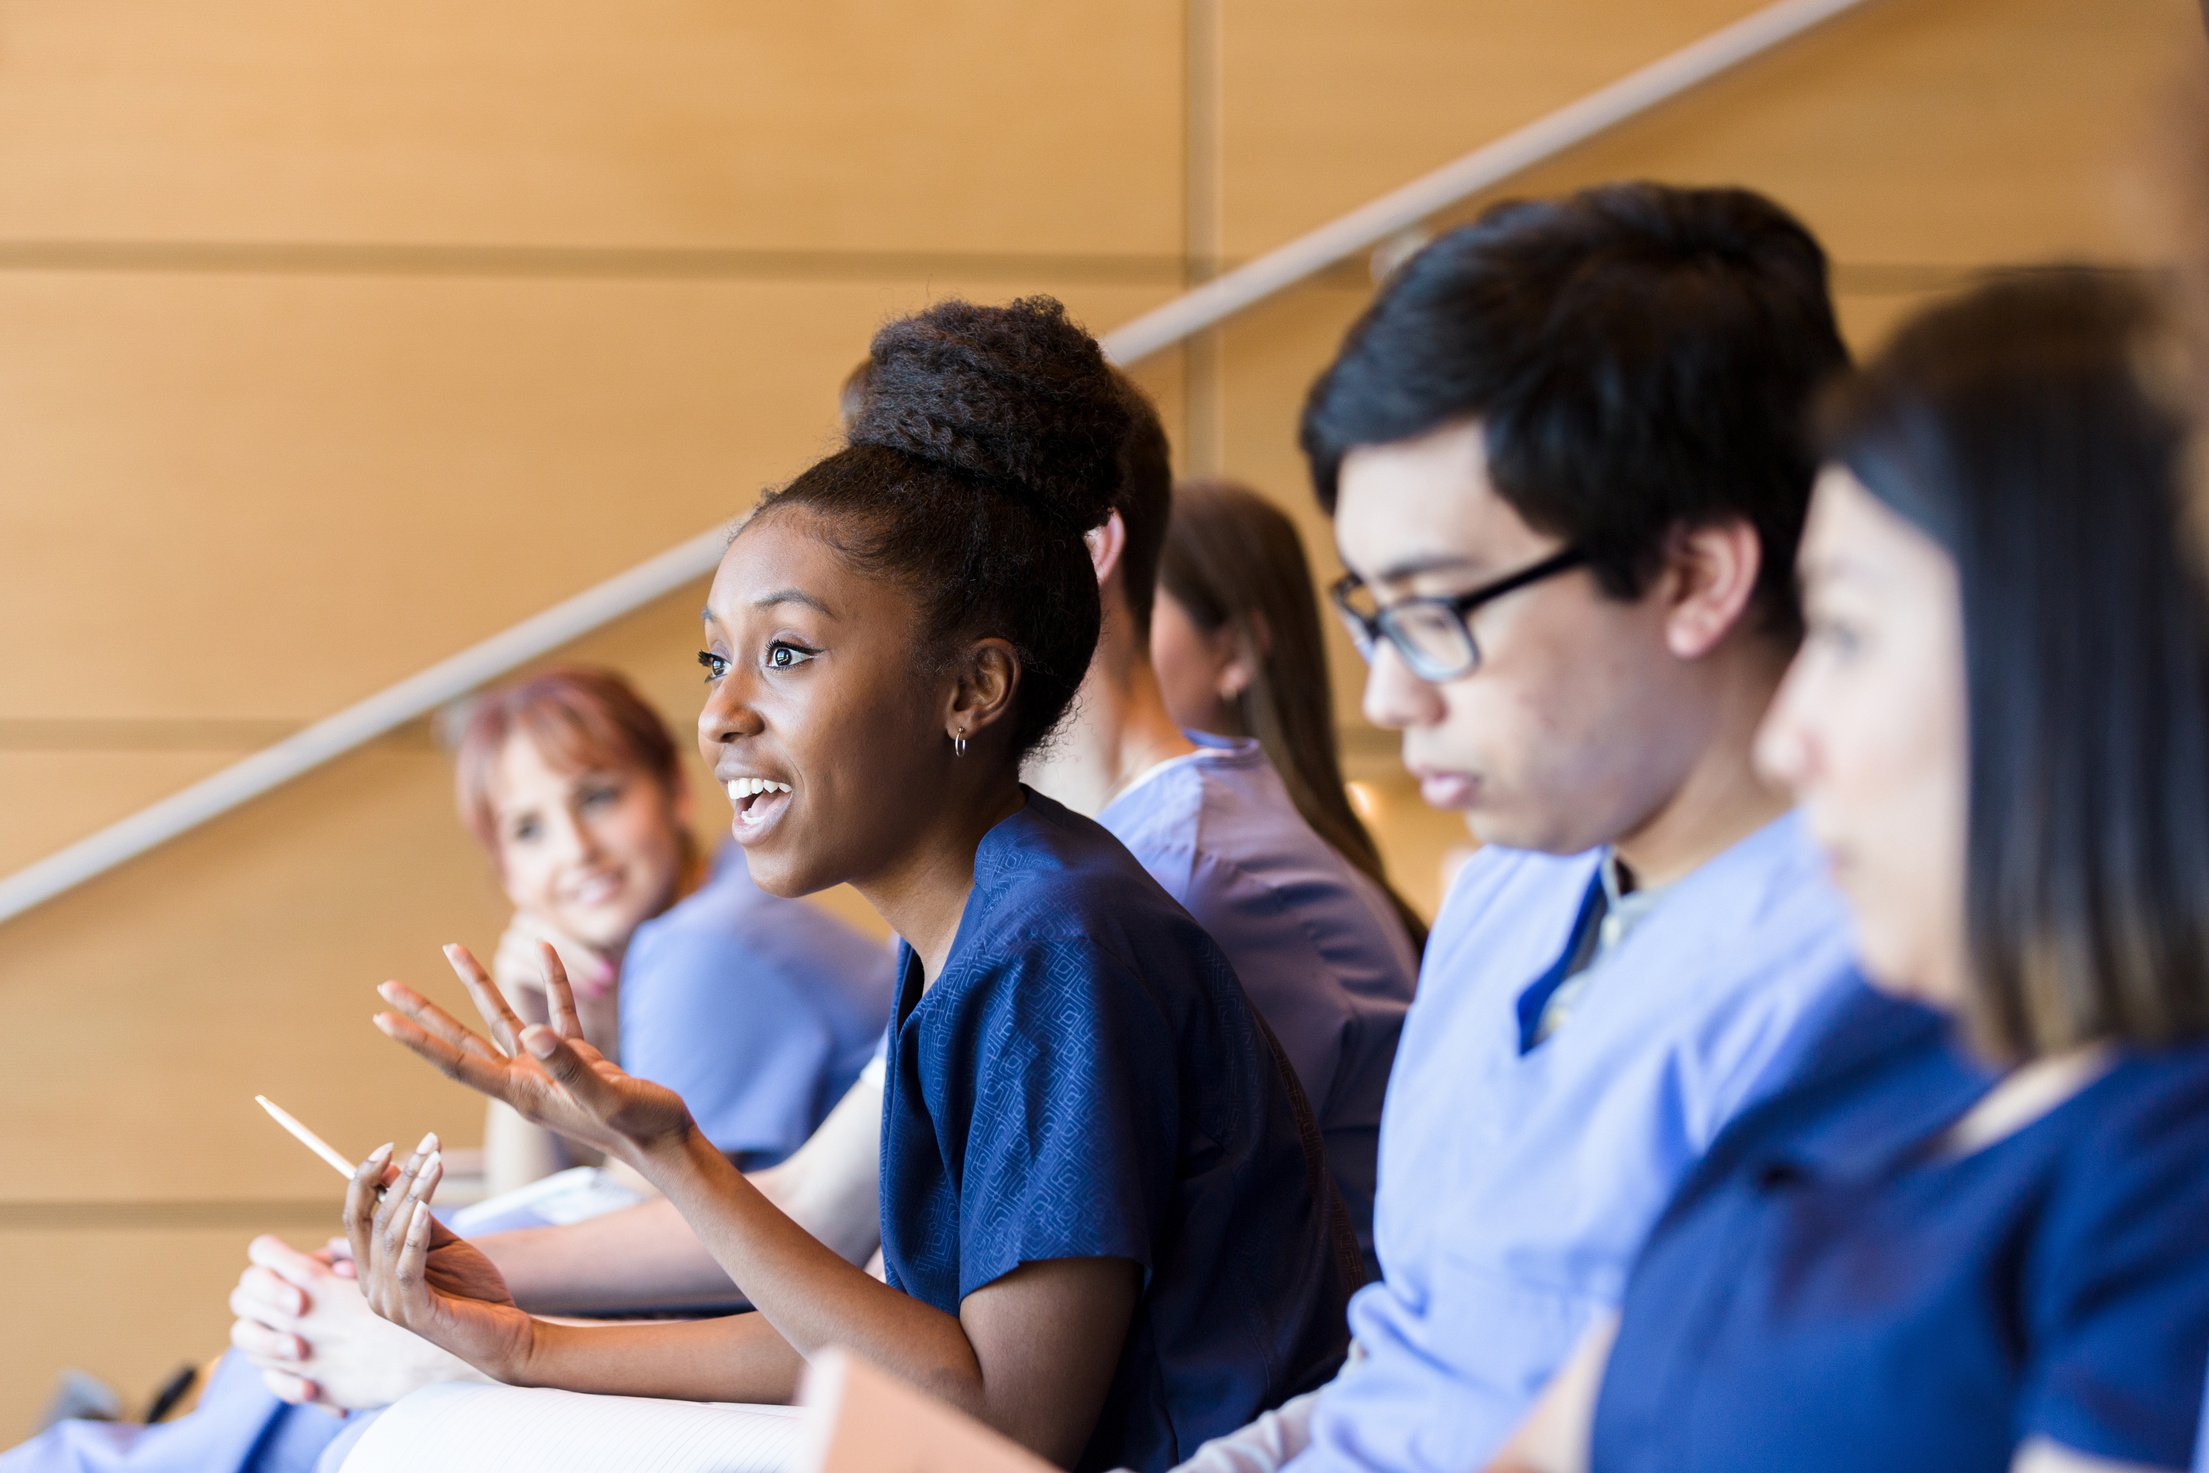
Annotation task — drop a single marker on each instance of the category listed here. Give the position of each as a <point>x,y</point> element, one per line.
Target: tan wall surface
<point>836,126</point>
<point>213,454</point>
<point>334,338</point>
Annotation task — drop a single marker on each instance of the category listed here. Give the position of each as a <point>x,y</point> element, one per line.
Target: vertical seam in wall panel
<point>1203,388</point>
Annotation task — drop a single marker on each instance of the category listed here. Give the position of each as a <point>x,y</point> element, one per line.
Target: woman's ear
<point>1235,674</point>
<point>983,693</point>
<point>1246,648</point>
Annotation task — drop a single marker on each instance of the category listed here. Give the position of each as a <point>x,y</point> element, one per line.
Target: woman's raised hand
<point>419,1276</point>
<point>548,1074</point>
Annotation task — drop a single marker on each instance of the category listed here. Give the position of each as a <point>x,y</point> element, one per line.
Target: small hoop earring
<point>958,744</point>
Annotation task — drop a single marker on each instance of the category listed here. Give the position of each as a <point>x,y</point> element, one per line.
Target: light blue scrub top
<point>1316,944</point>
<point>1516,1188</point>
<point>758,1011</point>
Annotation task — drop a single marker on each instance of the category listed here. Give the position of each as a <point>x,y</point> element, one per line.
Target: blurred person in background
<point>1319,947</point>
<point>1236,640</point>
<point>761,1010</point>
<point>1974,1233</point>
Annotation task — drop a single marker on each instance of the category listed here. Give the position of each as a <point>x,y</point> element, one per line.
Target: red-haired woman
<point>760,1011</point>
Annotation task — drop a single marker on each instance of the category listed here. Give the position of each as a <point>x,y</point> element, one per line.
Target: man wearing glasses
<point>1566,455</point>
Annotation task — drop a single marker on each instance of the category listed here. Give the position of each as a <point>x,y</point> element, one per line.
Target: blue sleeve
<point>2118,1293</point>
<point>1072,1140</point>
<point>732,1030</point>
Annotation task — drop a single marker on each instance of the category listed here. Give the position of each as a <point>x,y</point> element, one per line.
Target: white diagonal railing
<point>1179,320</point>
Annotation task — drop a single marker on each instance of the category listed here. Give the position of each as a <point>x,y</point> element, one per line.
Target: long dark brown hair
<point>1233,560</point>
<point>2013,427</point>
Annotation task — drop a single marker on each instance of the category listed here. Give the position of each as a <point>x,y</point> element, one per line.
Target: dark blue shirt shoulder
<point>1835,1288</point>
<point>1085,1079</point>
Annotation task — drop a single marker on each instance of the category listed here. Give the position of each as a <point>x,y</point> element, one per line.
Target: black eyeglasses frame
<point>1368,630</point>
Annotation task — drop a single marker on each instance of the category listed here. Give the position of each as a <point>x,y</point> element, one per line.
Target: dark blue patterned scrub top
<point>1833,1290</point>
<point>1085,1080</point>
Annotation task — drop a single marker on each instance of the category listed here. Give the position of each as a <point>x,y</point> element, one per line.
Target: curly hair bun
<point>1015,397</point>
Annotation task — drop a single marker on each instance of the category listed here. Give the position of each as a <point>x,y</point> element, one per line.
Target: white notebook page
<point>509,1429</point>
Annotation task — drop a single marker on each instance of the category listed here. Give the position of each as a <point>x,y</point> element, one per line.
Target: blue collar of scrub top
<point>1884,1081</point>
<point>1609,906</point>
<point>1578,938</point>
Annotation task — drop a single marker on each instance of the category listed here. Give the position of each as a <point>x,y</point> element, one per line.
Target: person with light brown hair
<point>761,1012</point>
<point>570,783</point>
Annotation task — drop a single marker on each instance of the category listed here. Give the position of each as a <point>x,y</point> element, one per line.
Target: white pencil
<point>306,1137</point>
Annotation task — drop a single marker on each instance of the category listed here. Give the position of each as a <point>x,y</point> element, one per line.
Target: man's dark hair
<point>1641,359</point>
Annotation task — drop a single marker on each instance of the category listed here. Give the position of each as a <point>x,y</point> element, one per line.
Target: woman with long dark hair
<point>1236,639</point>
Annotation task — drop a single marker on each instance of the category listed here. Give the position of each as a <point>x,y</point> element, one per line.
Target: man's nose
<point>1396,699</point>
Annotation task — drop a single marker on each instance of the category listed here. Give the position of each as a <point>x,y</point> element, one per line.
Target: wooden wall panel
<point>153,1004</point>
<point>1917,131</point>
<point>264,497</point>
<point>1327,105</point>
<point>1936,132</point>
<point>52,797</point>
<point>961,125</point>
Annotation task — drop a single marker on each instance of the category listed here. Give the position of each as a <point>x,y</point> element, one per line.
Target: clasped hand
<point>418,1275</point>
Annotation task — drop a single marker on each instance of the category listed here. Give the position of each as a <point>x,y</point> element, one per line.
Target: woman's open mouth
<point>757,802</point>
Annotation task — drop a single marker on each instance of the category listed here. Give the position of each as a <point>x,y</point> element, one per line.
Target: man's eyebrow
<point>1423,564</point>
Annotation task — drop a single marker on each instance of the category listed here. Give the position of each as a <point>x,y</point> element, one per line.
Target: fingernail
<point>388,991</point>
<point>540,1041</point>
<point>422,1179</point>
<point>429,1143</point>
<point>381,1153</point>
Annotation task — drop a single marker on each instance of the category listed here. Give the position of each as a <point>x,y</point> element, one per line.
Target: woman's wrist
<point>671,1156</point>
<point>533,1359</point>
